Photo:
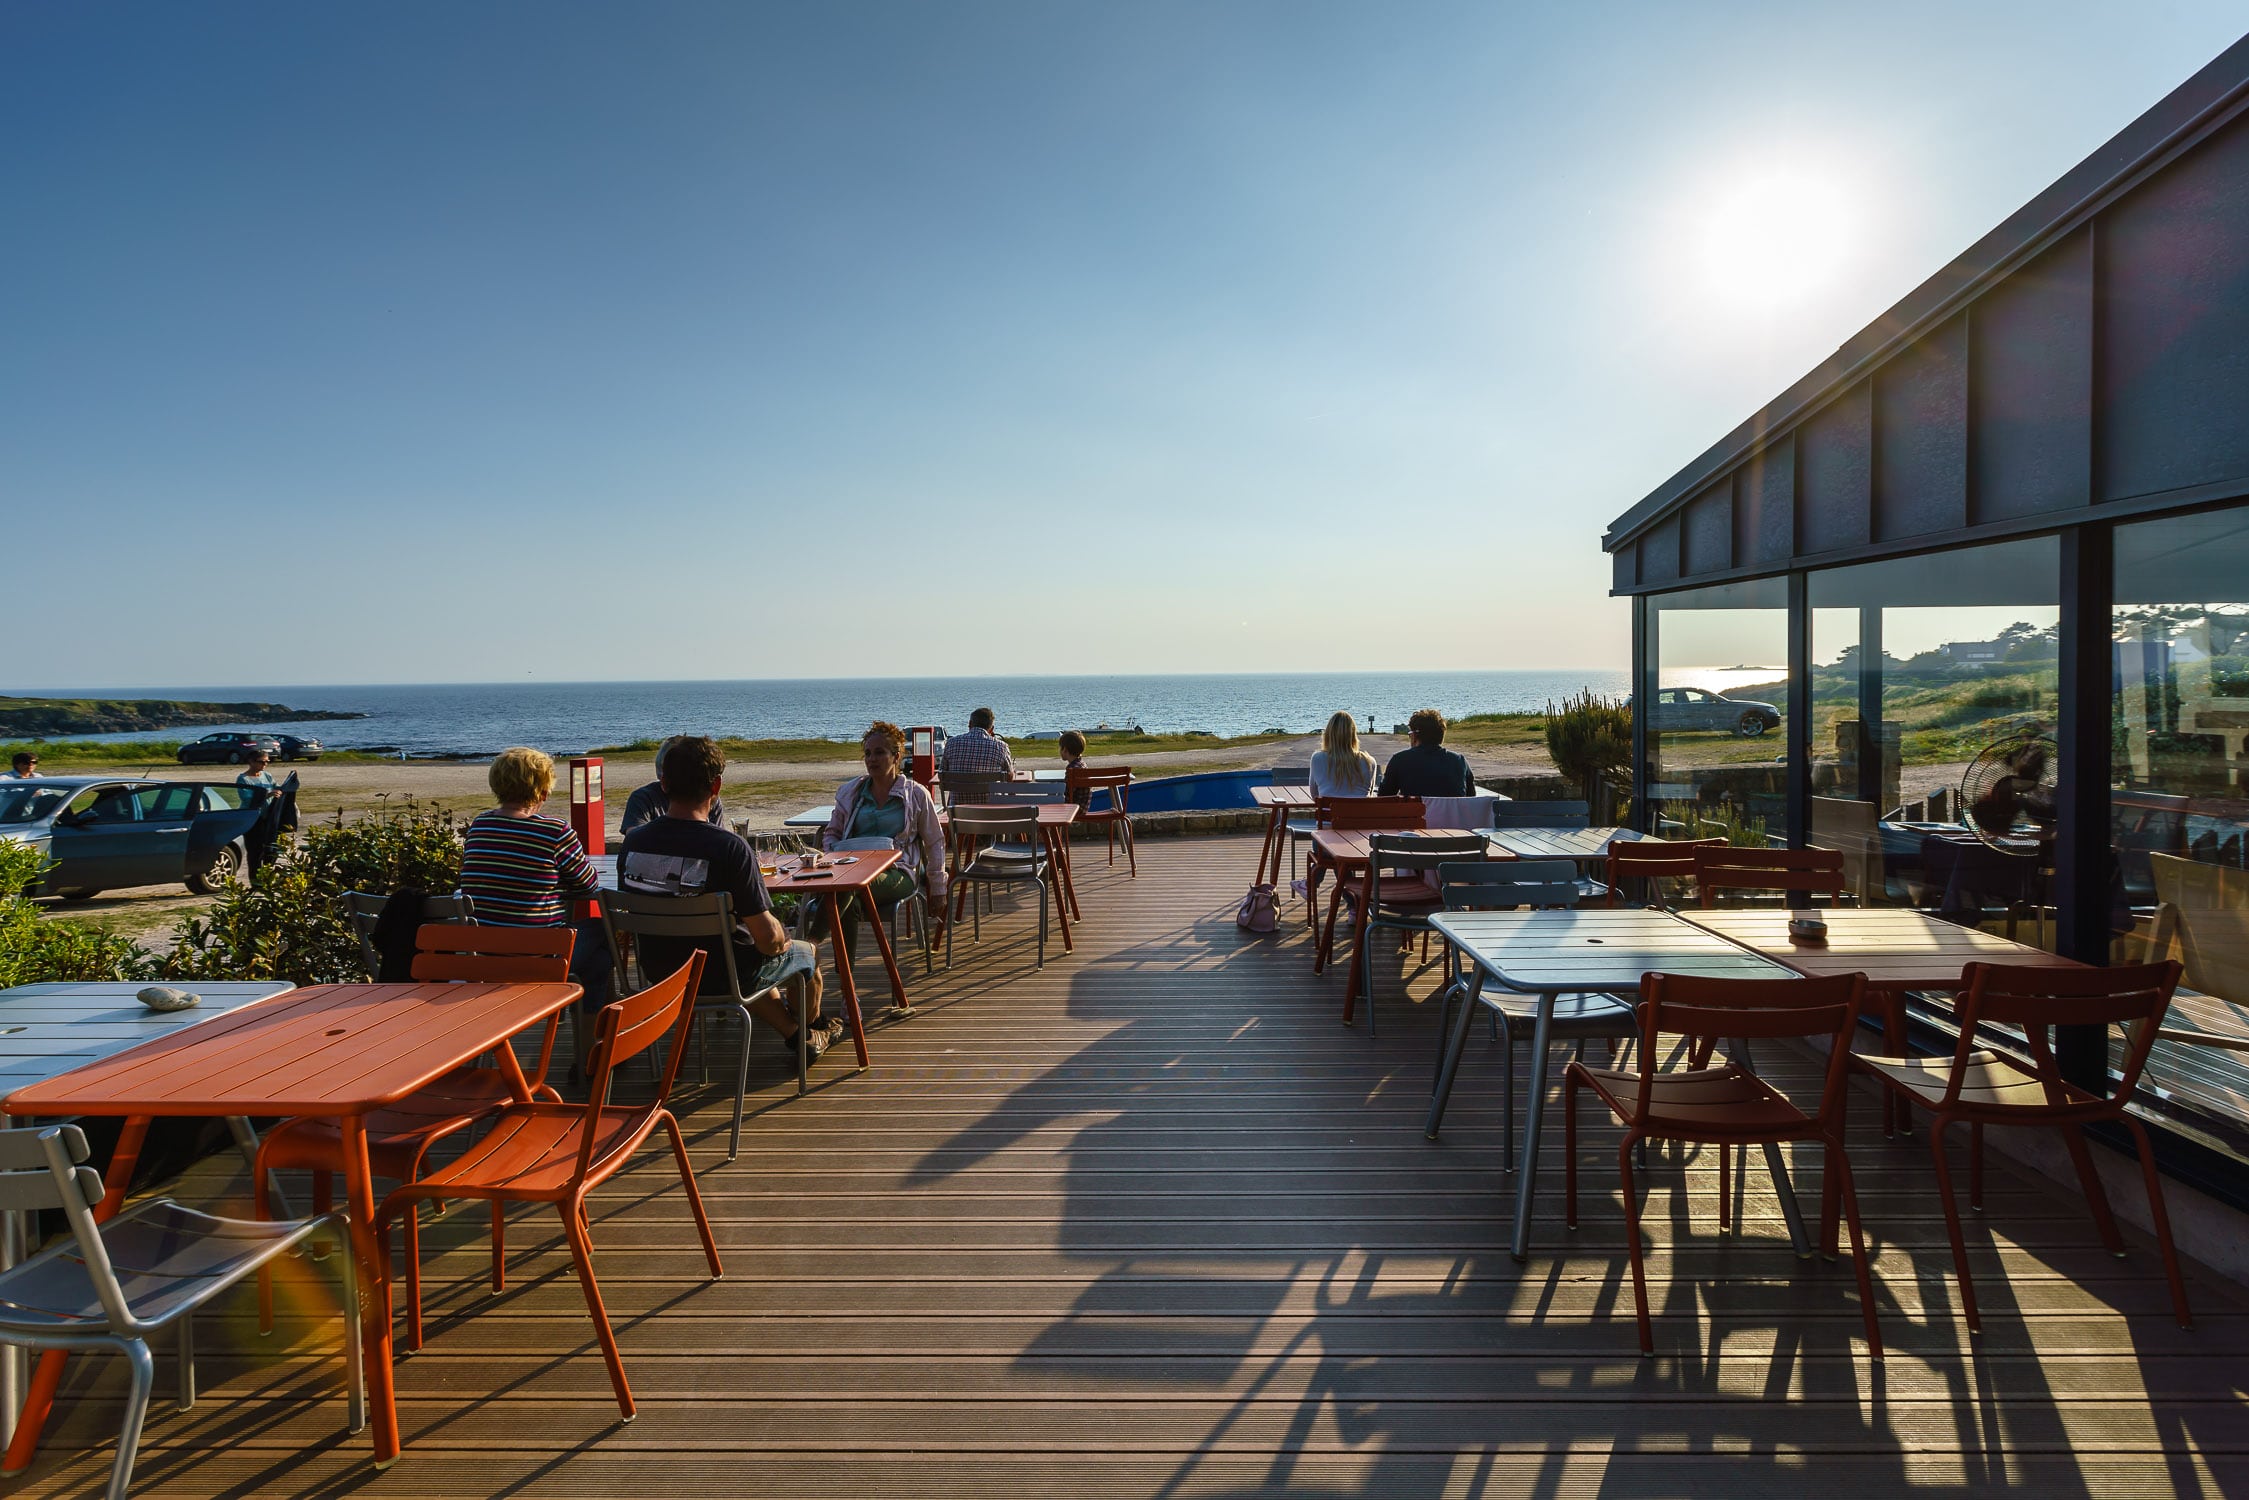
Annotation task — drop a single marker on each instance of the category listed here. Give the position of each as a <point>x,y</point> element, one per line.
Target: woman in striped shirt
<point>521,869</point>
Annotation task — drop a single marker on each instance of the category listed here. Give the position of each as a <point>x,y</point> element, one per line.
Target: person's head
<point>882,748</point>
<point>663,750</point>
<point>1071,743</point>
<point>981,718</point>
<point>693,769</point>
<point>24,763</point>
<point>522,776</point>
<point>258,762</point>
<point>1427,726</point>
<point>1340,739</point>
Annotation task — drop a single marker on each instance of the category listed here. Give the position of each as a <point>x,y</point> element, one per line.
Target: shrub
<point>1589,739</point>
<point>37,949</point>
<point>289,921</point>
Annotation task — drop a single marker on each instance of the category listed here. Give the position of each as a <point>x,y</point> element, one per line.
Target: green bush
<point>289,921</point>
<point>37,949</point>
<point>1589,739</point>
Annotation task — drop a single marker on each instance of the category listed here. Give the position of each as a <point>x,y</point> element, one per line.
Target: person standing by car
<point>256,781</point>
<point>22,766</point>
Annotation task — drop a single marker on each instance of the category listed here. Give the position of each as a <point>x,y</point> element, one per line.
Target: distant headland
<point>38,718</point>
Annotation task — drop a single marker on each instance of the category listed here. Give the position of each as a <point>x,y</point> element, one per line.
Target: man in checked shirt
<point>978,749</point>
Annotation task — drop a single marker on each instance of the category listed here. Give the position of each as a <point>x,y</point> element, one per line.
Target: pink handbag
<point>1260,910</point>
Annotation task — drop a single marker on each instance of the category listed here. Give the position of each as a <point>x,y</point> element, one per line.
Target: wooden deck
<point>1150,1222</point>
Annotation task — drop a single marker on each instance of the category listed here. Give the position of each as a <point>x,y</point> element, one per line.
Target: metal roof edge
<point>2076,195</point>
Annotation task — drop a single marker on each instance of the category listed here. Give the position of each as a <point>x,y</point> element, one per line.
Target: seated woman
<point>1339,767</point>
<point>886,803</point>
<point>523,870</point>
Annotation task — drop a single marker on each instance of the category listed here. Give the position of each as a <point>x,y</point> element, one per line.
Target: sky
<point>505,342</point>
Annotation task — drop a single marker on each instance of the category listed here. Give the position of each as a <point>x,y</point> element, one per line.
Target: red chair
<point>1653,860</point>
<point>1117,782</point>
<point>1350,814</point>
<point>399,1138</point>
<point>1985,1087</point>
<point>1807,871</point>
<point>1728,1105</point>
<point>547,1152</point>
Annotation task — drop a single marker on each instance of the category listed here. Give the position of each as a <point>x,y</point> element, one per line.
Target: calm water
<point>574,716</point>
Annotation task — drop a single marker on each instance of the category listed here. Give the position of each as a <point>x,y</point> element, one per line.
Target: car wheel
<point>1750,726</point>
<point>221,873</point>
<point>77,893</point>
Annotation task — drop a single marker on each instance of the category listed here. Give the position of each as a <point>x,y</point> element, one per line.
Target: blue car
<point>104,832</point>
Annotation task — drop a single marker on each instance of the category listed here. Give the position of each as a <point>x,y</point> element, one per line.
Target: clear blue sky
<point>357,343</point>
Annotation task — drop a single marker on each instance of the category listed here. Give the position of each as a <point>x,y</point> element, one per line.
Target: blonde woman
<point>1339,767</point>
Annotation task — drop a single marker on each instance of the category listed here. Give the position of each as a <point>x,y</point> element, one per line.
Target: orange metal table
<point>337,1051</point>
<point>831,883</point>
<point>1278,802</point>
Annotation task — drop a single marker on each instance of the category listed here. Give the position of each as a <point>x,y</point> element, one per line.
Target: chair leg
<point>186,1401</point>
<point>581,1252</point>
<point>414,1275</point>
<point>694,1195</point>
<point>2096,1197</point>
<point>742,1082</point>
<point>140,1366</point>
<point>1043,893</point>
<point>1632,1242</point>
<point>1725,1188</point>
<point>262,1210</point>
<point>1975,1165</point>
<point>1952,1224</point>
<point>2161,1217</point>
<point>1839,1167</point>
<point>1506,1093</point>
<point>1569,1148</point>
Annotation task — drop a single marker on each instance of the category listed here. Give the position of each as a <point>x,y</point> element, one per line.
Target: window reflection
<point>1717,713</point>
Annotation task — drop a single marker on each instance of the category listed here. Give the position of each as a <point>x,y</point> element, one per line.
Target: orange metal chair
<point>1117,782</point>
<point>546,1152</point>
<point>1809,871</point>
<point>1653,860</point>
<point>399,1138</point>
<point>1984,1087</point>
<point>1728,1105</point>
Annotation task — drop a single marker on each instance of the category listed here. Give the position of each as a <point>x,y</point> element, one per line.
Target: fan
<point>2007,795</point>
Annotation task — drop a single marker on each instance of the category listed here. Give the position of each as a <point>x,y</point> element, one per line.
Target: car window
<point>220,799</point>
<point>108,804</point>
<point>1672,695</point>
<point>167,801</point>
<point>30,804</point>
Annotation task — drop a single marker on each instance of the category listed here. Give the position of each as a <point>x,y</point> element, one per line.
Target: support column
<point>2084,864</point>
<point>1799,711</point>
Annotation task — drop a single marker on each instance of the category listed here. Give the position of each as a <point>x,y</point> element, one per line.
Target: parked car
<point>297,747</point>
<point>227,747</point>
<point>1684,708</point>
<point>103,833</point>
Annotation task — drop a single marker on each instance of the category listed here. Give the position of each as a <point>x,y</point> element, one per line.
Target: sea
<point>472,719</point>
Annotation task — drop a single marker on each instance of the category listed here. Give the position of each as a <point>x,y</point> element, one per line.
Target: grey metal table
<point>46,1029</point>
<point>1551,953</point>
<point>811,817</point>
<point>1582,846</point>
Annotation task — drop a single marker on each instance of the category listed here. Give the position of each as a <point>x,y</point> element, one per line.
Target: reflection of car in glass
<point>1698,708</point>
<point>227,747</point>
<point>297,747</point>
<point>102,833</point>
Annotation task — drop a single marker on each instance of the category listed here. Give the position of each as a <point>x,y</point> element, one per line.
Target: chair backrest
<point>364,909</point>
<point>1115,780</point>
<point>706,918</point>
<point>1348,813</point>
<point>1655,859</point>
<point>45,1168</point>
<point>2132,996</point>
<point>1292,776</point>
<point>1716,1010</point>
<point>493,955</point>
<point>966,786</point>
<point>629,1027</point>
<point>1425,853</point>
<point>1509,814</point>
<point>1720,867</point>
<point>972,822</point>
<point>1506,884</point>
<point>2205,908</point>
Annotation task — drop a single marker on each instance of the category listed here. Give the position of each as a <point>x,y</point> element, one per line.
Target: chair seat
<point>1004,867</point>
<point>1574,1015</point>
<point>1701,1101</point>
<point>168,1259</point>
<point>531,1151</point>
<point>1992,1081</point>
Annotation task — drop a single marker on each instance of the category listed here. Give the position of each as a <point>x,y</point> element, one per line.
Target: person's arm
<point>718,811</point>
<point>839,816</point>
<point>572,870</point>
<point>1007,757</point>
<point>1390,776</point>
<point>639,808</point>
<point>753,908</point>
<point>930,835</point>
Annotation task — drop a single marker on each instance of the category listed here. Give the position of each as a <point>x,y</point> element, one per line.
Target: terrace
<point>1150,1222</point>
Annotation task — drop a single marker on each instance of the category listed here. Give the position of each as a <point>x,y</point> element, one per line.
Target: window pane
<point>1717,758</point>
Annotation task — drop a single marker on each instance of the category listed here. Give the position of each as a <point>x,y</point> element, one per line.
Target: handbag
<point>1260,910</point>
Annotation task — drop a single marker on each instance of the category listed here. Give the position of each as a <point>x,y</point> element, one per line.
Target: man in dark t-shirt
<point>684,854</point>
<point>1426,768</point>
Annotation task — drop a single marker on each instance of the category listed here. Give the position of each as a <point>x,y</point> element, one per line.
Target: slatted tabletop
<point>1582,845</point>
<point>1281,796</point>
<point>46,1029</point>
<point>1893,947</point>
<point>1552,952</point>
<point>1348,850</point>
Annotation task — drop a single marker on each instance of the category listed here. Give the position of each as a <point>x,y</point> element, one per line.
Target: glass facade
<point>1717,690</point>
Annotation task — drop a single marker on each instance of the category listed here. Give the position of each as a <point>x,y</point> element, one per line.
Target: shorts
<point>760,973</point>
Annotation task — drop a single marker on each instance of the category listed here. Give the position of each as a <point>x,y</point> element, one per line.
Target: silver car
<point>106,832</point>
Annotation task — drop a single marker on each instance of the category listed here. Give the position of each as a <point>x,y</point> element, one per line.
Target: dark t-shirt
<point>1427,771</point>
<point>682,857</point>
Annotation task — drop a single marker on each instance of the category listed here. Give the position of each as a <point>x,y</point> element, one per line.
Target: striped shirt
<point>519,871</point>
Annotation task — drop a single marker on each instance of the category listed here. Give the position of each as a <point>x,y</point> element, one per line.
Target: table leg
<point>46,1377</point>
<point>12,1239</point>
<point>1069,879</point>
<point>1534,1117</point>
<point>901,1007</point>
<point>1265,856</point>
<point>1454,1046</point>
<point>1056,880</point>
<point>833,901</point>
<point>359,1201</point>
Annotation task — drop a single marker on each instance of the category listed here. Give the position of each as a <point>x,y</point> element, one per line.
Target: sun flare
<point>1774,237</point>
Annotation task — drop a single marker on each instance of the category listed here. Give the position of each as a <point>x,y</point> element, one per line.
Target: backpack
<point>1260,910</point>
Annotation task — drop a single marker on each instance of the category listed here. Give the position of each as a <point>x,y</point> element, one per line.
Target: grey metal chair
<point>1511,885</point>
<point>955,787</point>
<point>710,919</point>
<point>1411,902</point>
<point>1019,856</point>
<point>117,1286</point>
<point>915,905</point>
<point>1539,814</point>
<point>365,909</point>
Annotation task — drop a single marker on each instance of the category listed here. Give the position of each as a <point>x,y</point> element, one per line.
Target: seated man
<point>649,802</point>
<point>1426,768</point>
<point>978,749</point>
<point>683,854</point>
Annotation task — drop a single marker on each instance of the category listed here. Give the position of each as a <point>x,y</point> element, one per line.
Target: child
<point>1072,745</point>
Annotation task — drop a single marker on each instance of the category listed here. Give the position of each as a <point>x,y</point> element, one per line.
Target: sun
<point>1774,236</point>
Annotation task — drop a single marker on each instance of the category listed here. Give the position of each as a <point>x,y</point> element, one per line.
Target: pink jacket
<point>923,842</point>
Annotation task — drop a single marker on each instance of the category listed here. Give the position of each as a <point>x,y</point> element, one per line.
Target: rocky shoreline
<point>47,718</point>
